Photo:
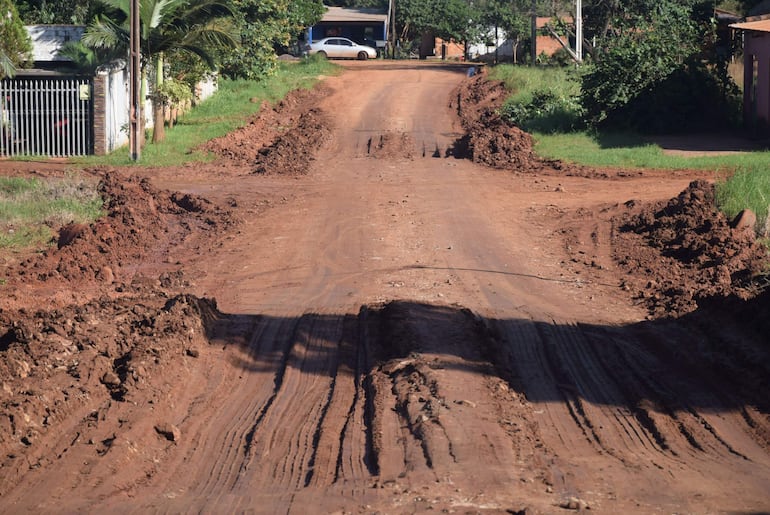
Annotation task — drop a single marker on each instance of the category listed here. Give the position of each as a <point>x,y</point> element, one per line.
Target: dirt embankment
<point>280,139</point>
<point>140,224</point>
<point>488,138</point>
<point>681,252</point>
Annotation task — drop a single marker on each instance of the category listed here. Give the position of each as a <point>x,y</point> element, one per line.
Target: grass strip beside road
<point>231,107</point>
<point>31,209</point>
<point>743,179</point>
<point>544,101</point>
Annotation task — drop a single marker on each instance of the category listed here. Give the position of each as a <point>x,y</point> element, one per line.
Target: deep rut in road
<point>374,405</point>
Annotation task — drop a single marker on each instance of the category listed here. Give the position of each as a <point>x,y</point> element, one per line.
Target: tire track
<point>283,448</point>
<point>267,353</point>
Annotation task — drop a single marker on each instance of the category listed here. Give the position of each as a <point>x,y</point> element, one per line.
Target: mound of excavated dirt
<point>60,365</point>
<point>682,251</point>
<point>489,139</point>
<point>280,139</point>
<point>140,221</point>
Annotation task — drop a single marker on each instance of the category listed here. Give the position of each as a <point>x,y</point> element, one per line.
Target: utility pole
<point>392,24</point>
<point>135,77</point>
<point>579,31</point>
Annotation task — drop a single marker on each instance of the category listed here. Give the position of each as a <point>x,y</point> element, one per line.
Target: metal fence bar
<point>45,116</point>
<point>58,109</point>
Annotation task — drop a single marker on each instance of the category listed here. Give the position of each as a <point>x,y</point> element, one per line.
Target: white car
<point>340,48</point>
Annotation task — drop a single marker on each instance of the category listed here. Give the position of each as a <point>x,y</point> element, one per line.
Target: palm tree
<point>197,27</point>
<point>86,59</point>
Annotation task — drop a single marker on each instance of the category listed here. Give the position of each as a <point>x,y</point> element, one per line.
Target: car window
<point>345,42</point>
<point>331,42</point>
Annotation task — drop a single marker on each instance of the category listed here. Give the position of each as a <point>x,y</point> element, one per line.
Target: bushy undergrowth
<point>542,99</point>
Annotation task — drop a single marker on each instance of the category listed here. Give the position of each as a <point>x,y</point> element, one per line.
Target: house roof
<point>47,40</point>
<point>726,16</point>
<point>755,26</point>
<point>341,14</point>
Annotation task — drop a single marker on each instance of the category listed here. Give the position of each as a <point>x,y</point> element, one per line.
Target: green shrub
<point>542,99</point>
<point>547,112</point>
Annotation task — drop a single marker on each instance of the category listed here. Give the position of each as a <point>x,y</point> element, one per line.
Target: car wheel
<point>363,56</point>
<point>322,54</point>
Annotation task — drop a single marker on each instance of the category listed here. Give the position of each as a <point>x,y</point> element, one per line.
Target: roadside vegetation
<point>32,209</point>
<point>545,102</point>
<point>235,102</point>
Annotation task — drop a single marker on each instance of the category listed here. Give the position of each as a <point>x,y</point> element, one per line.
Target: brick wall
<point>100,114</point>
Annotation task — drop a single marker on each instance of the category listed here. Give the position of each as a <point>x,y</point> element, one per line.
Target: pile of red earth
<point>278,140</point>
<point>490,139</point>
<point>75,362</point>
<point>681,252</point>
<point>141,222</point>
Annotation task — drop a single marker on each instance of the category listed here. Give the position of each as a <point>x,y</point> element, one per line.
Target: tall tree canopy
<point>655,68</point>
<point>15,45</point>
<point>198,28</point>
<point>263,25</point>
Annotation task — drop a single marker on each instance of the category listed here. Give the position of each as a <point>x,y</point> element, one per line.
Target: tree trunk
<point>159,124</point>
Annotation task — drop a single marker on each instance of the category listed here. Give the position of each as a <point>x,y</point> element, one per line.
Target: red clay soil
<point>280,139</point>
<point>395,330</point>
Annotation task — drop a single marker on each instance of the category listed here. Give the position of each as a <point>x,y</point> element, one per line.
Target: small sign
<point>85,92</point>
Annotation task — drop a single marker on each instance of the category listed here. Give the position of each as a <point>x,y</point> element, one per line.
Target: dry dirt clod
<point>110,378</point>
<point>574,503</point>
<point>169,431</point>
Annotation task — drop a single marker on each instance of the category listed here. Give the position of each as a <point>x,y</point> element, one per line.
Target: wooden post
<point>135,77</point>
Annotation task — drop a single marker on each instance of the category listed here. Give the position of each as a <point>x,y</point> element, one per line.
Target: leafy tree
<point>196,27</point>
<point>649,50</point>
<point>15,46</point>
<point>56,11</point>
<point>264,24</point>
<point>512,17</point>
<point>443,18</point>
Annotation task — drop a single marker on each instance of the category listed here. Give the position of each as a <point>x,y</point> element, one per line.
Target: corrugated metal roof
<point>756,26</point>
<point>341,14</point>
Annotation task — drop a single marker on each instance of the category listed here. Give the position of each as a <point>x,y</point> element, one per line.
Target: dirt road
<point>402,331</point>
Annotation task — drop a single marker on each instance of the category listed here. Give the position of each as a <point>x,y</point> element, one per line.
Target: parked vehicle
<point>340,48</point>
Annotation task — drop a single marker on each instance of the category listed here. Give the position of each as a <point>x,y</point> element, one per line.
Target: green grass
<point>743,179</point>
<point>747,188</point>
<point>231,107</point>
<point>635,151</point>
<point>30,209</point>
<point>523,81</point>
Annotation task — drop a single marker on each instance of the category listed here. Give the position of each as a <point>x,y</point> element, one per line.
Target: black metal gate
<point>46,116</point>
